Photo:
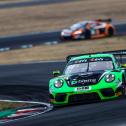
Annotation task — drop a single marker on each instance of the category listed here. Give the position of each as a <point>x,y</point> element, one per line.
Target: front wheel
<point>62,38</point>
<point>123,87</point>
<point>110,32</point>
<point>87,34</point>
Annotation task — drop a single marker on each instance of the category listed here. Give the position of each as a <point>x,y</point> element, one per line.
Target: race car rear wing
<point>104,20</point>
<point>120,55</point>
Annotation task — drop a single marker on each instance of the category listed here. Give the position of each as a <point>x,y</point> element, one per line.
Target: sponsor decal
<point>86,60</point>
<point>74,82</point>
<point>83,81</point>
<point>87,81</point>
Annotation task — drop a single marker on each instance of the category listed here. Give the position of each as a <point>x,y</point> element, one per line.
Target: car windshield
<point>81,66</point>
<point>77,26</point>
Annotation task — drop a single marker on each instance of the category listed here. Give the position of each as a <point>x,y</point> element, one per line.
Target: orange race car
<point>89,30</point>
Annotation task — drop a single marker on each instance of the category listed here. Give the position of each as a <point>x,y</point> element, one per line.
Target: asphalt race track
<point>23,78</point>
<point>29,81</point>
<point>41,38</point>
<point>31,3</point>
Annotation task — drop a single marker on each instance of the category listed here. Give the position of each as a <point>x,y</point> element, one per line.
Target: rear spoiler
<point>119,54</point>
<point>104,20</point>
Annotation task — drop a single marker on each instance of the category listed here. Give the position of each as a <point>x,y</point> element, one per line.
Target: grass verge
<point>60,51</point>
<point>9,105</point>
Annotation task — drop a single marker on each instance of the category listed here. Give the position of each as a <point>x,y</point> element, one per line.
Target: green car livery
<point>91,77</point>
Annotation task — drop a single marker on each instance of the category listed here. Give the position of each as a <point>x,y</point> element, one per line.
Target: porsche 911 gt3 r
<point>89,30</point>
<point>93,77</point>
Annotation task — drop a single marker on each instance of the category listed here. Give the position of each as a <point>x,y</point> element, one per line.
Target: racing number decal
<point>84,88</point>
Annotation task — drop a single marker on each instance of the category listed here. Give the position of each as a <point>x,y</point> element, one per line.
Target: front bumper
<point>66,37</point>
<point>82,97</point>
<point>72,37</point>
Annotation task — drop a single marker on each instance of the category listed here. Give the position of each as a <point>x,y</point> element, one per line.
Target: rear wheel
<point>110,32</point>
<point>123,87</point>
<point>87,34</point>
<point>62,39</point>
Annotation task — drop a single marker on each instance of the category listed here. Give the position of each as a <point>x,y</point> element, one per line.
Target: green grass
<point>9,105</point>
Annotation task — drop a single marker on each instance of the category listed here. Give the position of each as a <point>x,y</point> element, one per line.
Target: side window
<point>117,61</point>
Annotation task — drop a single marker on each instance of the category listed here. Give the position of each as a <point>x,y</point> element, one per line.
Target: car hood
<point>67,31</point>
<point>85,79</point>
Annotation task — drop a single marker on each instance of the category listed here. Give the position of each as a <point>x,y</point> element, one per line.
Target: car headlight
<point>58,83</point>
<point>77,32</point>
<point>109,78</point>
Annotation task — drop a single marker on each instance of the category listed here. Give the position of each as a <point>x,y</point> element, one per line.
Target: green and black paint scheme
<point>90,77</point>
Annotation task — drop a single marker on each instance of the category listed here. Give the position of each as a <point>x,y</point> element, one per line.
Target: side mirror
<point>123,65</point>
<point>56,73</point>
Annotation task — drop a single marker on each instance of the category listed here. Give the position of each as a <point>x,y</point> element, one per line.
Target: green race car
<point>92,77</point>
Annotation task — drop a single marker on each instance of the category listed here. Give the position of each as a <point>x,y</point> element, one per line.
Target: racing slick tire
<point>121,90</point>
<point>124,88</point>
<point>110,32</point>
<point>87,34</point>
<point>62,39</point>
